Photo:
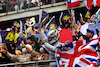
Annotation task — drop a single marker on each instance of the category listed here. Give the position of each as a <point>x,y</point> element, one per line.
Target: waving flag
<point>88,4</point>
<point>84,28</point>
<point>81,18</point>
<point>52,20</point>
<point>98,26</point>
<point>65,17</point>
<point>96,3</point>
<point>36,25</point>
<point>43,17</point>
<point>73,16</point>
<point>72,3</point>
<point>77,54</point>
<point>78,24</point>
<point>10,37</point>
<point>65,35</point>
<point>97,17</point>
<point>88,14</point>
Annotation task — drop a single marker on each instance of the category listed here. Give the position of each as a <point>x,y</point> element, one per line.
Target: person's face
<point>80,38</point>
<point>16,29</point>
<point>89,34</point>
<point>30,32</point>
<point>66,25</point>
<point>29,41</point>
<point>11,47</point>
<point>88,20</point>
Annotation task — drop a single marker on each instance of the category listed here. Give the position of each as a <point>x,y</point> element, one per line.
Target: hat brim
<point>89,31</point>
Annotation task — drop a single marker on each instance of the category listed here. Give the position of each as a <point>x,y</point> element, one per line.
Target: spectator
<point>53,37</point>
<point>1,9</point>
<point>21,58</point>
<point>28,3</point>
<point>21,3</point>
<point>4,7</point>
<point>5,59</point>
<point>33,41</point>
<point>88,20</point>
<point>25,5</point>
<point>16,7</point>
<point>44,2</point>
<point>33,2</point>
<point>48,1</point>
<point>37,56</point>
<point>44,54</point>
<point>89,35</point>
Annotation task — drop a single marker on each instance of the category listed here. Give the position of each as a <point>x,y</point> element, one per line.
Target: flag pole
<point>40,16</point>
<point>21,26</point>
<point>49,22</point>
<point>61,15</point>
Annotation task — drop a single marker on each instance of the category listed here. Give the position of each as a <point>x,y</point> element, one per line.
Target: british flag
<point>77,54</point>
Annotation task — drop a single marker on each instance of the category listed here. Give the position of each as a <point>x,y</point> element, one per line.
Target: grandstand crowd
<point>14,5</point>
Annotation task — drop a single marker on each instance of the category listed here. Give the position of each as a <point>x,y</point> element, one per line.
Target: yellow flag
<point>19,52</point>
<point>0,54</point>
<point>87,14</point>
<point>66,17</point>
<point>44,19</point>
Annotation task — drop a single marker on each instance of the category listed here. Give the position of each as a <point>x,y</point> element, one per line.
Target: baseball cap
<point>90,31</point>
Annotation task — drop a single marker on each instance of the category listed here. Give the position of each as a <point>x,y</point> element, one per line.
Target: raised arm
<point>50,47</point>
<point>12,56</point>
<point>9,55</point>
<point>43,36</point>
<point>31,51</point>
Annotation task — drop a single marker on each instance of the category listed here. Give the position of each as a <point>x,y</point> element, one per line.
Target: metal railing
<point>27,63</point>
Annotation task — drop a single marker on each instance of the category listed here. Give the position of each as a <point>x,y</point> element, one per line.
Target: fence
<point>32,62</point>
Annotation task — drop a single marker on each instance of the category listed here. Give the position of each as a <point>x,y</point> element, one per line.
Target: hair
<point>29,38</point>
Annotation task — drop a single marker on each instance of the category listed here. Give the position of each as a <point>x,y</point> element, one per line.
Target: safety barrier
<point>32,62</point>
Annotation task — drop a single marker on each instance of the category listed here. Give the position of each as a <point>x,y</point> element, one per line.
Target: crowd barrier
<point>32,62</point>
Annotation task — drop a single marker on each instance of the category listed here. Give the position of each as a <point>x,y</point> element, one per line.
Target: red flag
<point>65,35</point>
<point>96,3</point>
<point>72,3</point>
<point>88,4</point>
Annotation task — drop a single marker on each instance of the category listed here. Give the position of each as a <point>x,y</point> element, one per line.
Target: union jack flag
<point>77,54</point>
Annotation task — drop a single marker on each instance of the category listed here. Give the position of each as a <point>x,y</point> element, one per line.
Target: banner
<point>97,18</point>
<point>43,17</point>
<point>10,37</point>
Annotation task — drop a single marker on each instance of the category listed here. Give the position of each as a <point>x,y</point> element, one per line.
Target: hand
<point>84,22</point>
<point>39,27</point>
<point>41,40</point>
<point>4,51</point>
<point>22,42</point>
<point>1,47</point>
<point>60,21</point>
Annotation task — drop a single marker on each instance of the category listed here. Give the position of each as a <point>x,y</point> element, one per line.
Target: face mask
<point>41,49</point>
